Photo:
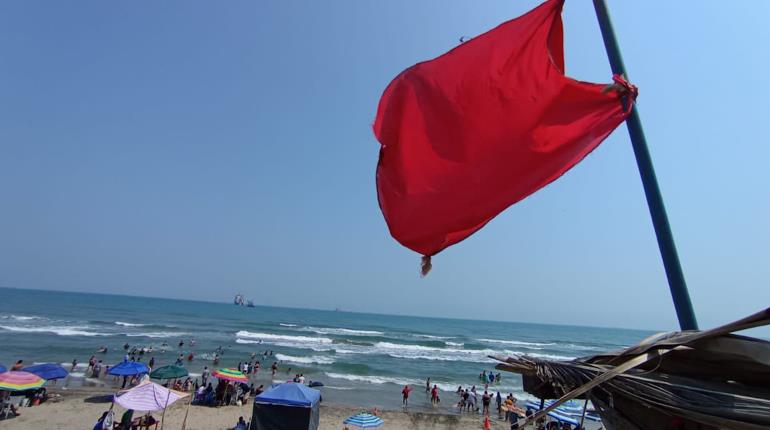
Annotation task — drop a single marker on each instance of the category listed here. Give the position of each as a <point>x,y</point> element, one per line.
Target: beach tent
<point>47,371</point>
<point>286,406</point>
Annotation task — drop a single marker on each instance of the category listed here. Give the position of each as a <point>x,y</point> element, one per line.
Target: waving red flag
<point>483,126</point>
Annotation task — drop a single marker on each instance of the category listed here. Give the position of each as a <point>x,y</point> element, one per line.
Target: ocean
<point>362,359</point>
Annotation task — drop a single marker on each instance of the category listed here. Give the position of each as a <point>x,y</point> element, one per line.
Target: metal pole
<point>666,244</point>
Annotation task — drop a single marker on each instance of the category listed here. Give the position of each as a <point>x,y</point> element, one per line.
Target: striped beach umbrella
<point>148,396</point>
<point>364,420</point>
<point>230,374</point>
<point>17,380</point>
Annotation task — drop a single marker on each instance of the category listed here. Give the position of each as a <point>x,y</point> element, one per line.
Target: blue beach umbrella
<point>129,368</point>
<point>364,420</point>
<point>47,371</point>
<point>2,368</point>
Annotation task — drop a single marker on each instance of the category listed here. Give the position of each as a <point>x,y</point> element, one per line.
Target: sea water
<point>362,359</point>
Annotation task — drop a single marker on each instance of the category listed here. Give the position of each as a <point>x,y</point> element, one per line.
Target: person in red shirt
<point>405,392</point>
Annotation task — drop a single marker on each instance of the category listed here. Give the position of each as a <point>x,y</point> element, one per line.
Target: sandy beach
<point>79,409</point>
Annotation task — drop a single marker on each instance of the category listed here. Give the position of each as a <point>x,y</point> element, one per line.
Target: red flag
<point>483,126</point>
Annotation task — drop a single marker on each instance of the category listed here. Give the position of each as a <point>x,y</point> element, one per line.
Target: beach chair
<point>5,408</point>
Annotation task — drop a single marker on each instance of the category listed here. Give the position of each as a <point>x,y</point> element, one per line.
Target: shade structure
<point>148,396</point>
<point>364,420</point>
<point>17,380</point>
<point>286,406</point>
<point>3,368</point>
<point>230,374</point>
<point>169,372</point>
<point>129,368</point>
<point>47,371</point>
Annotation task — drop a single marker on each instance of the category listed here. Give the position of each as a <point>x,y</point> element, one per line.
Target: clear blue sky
<point>196,149</point>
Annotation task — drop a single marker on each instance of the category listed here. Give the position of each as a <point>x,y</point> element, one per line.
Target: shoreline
<point>79,408</point>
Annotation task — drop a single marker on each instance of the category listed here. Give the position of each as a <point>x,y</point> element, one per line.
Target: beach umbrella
<point>364,420</point>
<point>230,374</point>
<point>47,371</point>
<point>17,380</point>
<point>129,368</point>
<point>169,372</point>
<point>3,368</point>
<point>148,396</point>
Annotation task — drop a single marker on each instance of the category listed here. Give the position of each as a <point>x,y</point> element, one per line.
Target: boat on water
<point>238,300</point>
<point>250,303</point>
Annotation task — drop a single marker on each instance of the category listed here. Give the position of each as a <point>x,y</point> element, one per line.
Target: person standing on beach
<point>485,403</point>
<point>427,385</point>
<point>274,367</point>
<point>498,401</point>
<point>151,364</point>
<point>405,393</point>
<point>18,366</point>
<point>205,375</point>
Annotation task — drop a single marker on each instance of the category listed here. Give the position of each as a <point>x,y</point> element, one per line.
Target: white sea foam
<point>287,325</point>
<point>246,341</point>
<point>458,344</point>
<point>315,359</point>
<point>272,338</point>
<point>428,336</point>
<point>157,334</point>
<point>373,379</point>
<point>546,356</point>
<point>61,331</point>
<point>127,324</point>
<point>341,331</point>
<point>528,345</point>
<point>23,317</point>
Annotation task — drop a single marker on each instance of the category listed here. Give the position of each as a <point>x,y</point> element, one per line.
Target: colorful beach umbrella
<point>169,372</point>
<point>129,368</point>
<point>17,380</point>
<point>47,371</point>
<point>364,420</point>
<point>148,396</point>
<point>230,374</point>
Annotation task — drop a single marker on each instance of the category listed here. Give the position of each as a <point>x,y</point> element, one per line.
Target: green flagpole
<point>676,282</point>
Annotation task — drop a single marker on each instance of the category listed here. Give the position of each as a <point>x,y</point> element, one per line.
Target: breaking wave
<point>272,338</point>
<point>315,359</point>
<point>61,331</point>
<point>341,331</point>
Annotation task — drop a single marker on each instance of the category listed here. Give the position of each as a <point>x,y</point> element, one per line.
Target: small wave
<point>22,317</point>
<point>287,325</point>
<point>428,336</point>
<point>529,345</point>
<point>545,356</point>
<point>61,331</point>
<point>157,334</point>
<point>339,388</point>
<point>457,344</point>
<point>315,359</point>
<point>341,331</point>
<point>272,338</point>
<point>126,324</point>
<point>246,341</point>
<point>373,379</point>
